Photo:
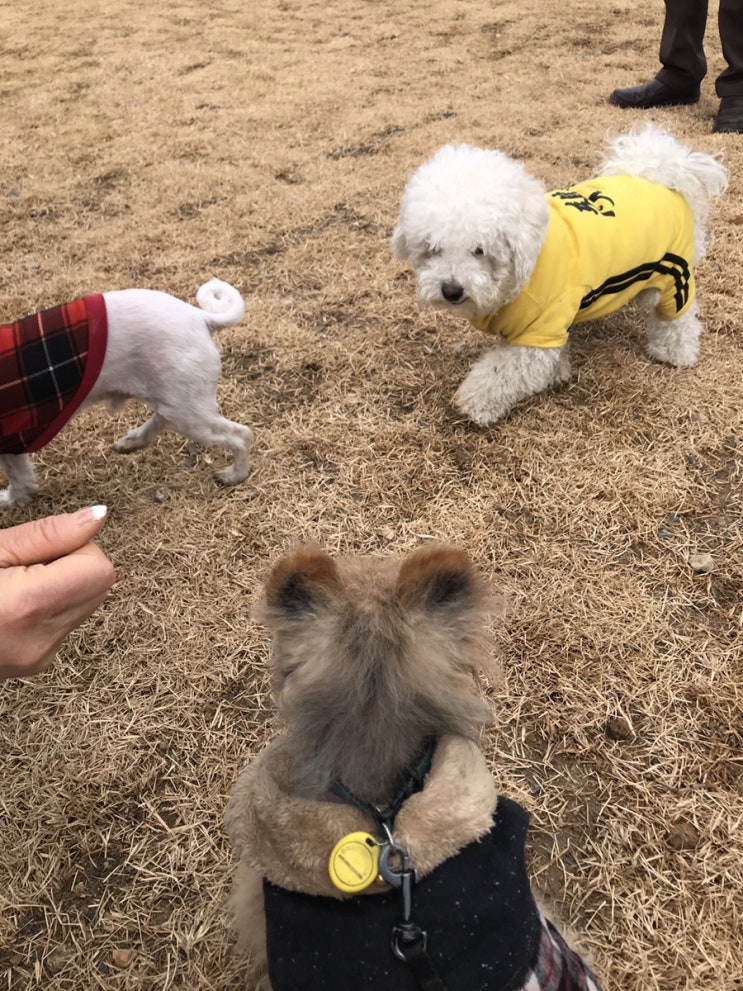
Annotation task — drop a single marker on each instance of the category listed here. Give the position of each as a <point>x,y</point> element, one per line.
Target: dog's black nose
<point>452,291</point>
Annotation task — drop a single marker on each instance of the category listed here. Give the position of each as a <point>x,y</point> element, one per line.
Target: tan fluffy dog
<point>374,664</point>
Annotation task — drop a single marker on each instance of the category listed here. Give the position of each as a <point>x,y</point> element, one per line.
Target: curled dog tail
<point>222,304</point>
<point>649,152</point>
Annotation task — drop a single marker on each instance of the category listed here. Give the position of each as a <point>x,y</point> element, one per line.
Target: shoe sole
<point>680,102</point>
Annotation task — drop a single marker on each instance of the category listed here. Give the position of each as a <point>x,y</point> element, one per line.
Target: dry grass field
<point>267,143</point>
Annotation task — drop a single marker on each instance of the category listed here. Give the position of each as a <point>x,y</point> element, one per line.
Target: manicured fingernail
<point>90,513</point>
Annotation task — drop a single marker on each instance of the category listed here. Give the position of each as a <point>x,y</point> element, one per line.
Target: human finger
<point>49,538</point>
<point>77,583</point>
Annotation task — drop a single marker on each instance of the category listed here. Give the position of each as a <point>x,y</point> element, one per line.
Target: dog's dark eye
<point>478,252</point>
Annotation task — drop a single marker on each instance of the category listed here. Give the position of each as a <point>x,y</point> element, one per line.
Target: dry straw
<point>267,143</point>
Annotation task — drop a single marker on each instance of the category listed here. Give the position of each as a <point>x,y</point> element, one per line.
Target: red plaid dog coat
<point>49,362</point>
<point>558,968</point>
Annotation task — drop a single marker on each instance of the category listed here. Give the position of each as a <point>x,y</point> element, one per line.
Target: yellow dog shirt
<point>607,240</point>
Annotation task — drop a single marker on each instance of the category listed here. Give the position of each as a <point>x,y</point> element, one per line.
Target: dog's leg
<point>239,440</point>
<point>675,342</point>
<point>21,480</point>
<point>207,427</point>
<point>507,374</point>
<point>141,436</point>
<point>246,907</point>
<point>214,430</point>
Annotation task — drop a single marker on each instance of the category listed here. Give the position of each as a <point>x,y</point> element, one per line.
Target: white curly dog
<point>488,242</point>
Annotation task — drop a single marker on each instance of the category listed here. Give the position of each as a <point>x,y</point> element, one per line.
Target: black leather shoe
<point>730,115</point>
<point>653,94</point>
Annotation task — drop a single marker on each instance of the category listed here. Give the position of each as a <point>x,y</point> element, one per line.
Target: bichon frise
<point>486,241</point>
<point>130,343</point>
<point>374,850</point>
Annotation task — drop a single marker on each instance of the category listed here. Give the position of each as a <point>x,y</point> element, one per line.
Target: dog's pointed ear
<point>301,582</point>
<point>439,577</point>
<point>400,247</point>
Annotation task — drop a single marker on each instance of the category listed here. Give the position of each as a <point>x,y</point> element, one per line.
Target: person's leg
<point>730,20</point>
<point>729,84</point>
<point>682,56</point>
<point>682,45</point>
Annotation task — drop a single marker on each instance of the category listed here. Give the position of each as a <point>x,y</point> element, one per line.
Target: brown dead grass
<point>267,143</point>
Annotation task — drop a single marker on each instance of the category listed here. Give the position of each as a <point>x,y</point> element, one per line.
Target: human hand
<point>51,579</point>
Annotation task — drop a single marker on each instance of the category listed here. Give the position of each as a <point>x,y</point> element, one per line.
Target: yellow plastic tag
<point>354,862</point>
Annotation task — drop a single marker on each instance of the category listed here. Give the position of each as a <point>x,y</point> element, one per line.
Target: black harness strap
<point>412,783</point>
<point>409,941</point>
<point>409,944</point>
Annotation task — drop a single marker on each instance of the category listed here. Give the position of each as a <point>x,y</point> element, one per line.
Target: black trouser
<point>682,50</point>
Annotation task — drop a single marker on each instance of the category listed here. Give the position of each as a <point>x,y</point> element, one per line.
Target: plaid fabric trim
<point>559,968</point>
<point>49,362</point>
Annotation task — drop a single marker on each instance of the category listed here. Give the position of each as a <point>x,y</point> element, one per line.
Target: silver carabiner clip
<point>393,875</point>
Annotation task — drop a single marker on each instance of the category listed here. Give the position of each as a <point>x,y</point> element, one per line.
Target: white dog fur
<point>473,222</point>
<point>160,350</point>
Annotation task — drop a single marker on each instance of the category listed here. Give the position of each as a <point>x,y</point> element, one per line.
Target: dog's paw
<point>231,475</point>
<point>505,376</point>
<point>126,444</point>
<point>679,354</point>
<point>675,342</point>
<point>478,398</point>
<point>473,409</point>
<point>674,360</point>
<point>15,500</point>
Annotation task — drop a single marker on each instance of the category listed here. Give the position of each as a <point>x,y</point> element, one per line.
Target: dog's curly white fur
<point>473,223</point>
<point>160,350</point>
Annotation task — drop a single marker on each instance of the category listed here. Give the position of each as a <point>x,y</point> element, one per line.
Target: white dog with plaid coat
<point>129,343</point>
